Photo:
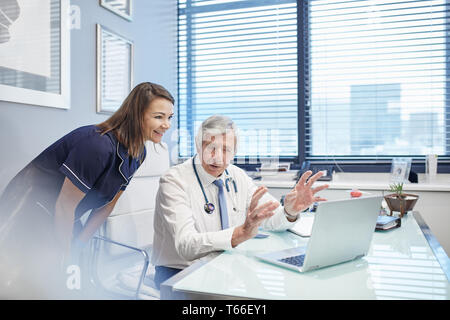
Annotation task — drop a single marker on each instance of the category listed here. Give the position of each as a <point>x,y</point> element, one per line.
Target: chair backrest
<point>131,221</point>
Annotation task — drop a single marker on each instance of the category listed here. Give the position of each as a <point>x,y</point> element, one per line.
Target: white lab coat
<point>184,232</point>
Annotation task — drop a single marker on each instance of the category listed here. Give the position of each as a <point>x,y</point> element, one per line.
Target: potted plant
<point>399,201</point>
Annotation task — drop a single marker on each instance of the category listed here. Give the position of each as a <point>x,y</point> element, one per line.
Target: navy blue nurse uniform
<point>97,164</point>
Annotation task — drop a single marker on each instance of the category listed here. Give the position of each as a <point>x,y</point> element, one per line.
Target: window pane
<point>239,58</point>
<point>378,78</point>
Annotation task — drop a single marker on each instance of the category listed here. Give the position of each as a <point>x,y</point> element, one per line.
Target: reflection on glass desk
<point>402,263</point>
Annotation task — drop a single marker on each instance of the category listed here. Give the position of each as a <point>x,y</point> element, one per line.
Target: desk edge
<point>168,292</point>
<point>434,244</point>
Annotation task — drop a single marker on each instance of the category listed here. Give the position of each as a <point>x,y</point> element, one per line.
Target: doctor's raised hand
<point>303,195</point>
<point>255,216</point>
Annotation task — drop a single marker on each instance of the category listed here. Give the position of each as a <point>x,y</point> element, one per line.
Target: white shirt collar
<point>204,176</point>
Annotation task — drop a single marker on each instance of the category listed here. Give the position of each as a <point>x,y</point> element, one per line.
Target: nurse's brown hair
<point>127,122</point>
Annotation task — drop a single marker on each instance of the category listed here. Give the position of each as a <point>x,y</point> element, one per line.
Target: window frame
<point>380,164</point>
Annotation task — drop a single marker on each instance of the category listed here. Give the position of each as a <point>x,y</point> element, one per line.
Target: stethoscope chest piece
<point>209,208</point>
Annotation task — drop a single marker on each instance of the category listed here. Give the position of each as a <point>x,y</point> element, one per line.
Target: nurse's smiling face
<point>157,119</point>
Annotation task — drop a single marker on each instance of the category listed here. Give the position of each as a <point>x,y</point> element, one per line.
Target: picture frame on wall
<point>114,69</point>
<point>40,74</point>
<point>122,8</point>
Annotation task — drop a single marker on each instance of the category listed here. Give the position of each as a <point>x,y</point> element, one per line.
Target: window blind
<point>378,80</point>
<point>239,58</point>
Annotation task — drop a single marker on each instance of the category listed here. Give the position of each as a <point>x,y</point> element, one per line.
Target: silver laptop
<point>342,231</point>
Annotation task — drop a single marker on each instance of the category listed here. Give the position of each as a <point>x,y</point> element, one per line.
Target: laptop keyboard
<point>295,260</point>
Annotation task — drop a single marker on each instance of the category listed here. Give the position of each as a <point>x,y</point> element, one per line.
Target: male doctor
<point>206,204</point>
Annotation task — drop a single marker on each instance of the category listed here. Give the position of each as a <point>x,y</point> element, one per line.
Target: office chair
<point>129,228</point>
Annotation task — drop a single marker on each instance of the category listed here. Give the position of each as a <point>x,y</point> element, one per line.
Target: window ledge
<point>367,181</point>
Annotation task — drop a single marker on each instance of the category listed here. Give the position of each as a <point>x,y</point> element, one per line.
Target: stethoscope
<point>209,207</point>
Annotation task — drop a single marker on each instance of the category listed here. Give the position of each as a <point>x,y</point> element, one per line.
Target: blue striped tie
<point>222,204</point>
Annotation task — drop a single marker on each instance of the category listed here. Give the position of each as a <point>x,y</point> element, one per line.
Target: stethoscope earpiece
<point>232,181</point>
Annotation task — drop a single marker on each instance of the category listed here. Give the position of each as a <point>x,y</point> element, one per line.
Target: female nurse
<point>84,171</point>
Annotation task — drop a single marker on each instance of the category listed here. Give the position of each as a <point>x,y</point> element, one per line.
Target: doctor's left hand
<point>303,195</point>
<point>255,216</point>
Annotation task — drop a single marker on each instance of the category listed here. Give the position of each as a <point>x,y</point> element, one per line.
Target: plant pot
<point>402,204</point>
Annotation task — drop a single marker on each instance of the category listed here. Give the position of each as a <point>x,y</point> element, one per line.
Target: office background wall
<point>26,130</point>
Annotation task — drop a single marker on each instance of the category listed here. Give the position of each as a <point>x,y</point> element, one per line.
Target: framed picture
<point>400,169</point>
<point>35,52</point>
<point>114,69</point>
<point>120,7</point>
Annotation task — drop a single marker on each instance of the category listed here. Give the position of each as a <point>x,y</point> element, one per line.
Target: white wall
<point>26,130</point>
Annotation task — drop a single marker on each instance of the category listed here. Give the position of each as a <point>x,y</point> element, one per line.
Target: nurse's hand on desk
<point>255,216</point>
<point>303,195</point>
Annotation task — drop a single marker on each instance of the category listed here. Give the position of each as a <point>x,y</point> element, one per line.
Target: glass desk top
<point>400,265</point>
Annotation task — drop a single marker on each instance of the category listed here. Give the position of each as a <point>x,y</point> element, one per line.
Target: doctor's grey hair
<point>213,126</point>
